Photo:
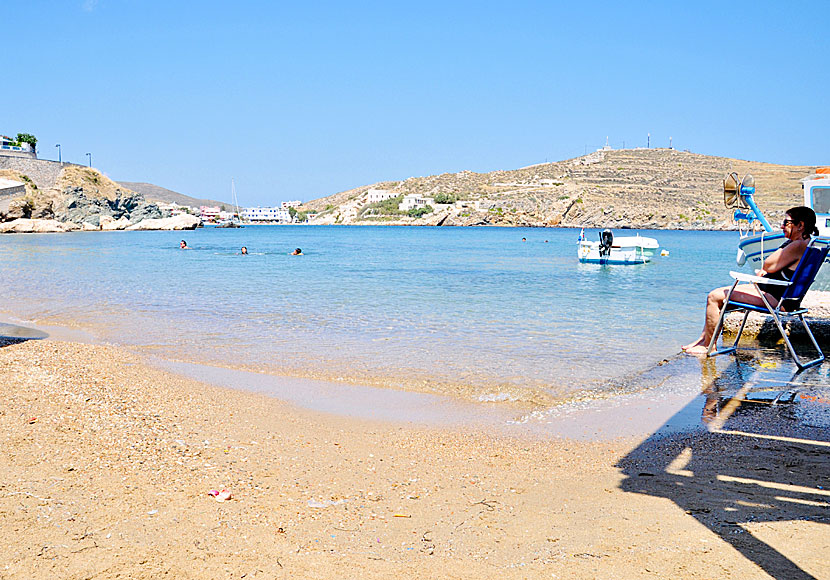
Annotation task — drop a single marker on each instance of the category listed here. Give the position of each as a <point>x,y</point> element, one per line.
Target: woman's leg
<point>746,293</point>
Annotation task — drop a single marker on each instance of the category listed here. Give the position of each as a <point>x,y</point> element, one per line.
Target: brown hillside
<point>639,188</point>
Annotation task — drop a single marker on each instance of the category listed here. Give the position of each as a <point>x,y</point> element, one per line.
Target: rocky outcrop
<point>36,226</point>
<point>178,222</point>
<point>77,207</point>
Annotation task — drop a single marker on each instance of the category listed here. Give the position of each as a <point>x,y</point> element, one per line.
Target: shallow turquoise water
<point>472,310</point>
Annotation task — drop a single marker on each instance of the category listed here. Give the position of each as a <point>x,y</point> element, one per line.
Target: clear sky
<point>299,100</point>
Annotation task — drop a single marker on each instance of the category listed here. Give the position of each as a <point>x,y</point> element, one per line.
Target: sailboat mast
<point>235,201</point>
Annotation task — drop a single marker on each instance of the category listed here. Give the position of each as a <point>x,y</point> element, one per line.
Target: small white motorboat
<point>621,250</point>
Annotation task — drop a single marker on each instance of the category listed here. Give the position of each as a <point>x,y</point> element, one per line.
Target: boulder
<point>37,226</point>
<point>88,227</point>
<point>179,222</point>
<point>108,224</point>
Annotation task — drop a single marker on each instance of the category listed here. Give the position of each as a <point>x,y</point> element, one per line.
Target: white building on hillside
<point>375,195</point>
<point>287,204</point>
<point>414,200</point>
<point>267,214</point>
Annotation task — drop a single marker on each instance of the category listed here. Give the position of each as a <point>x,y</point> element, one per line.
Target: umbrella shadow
<point>763,455</point>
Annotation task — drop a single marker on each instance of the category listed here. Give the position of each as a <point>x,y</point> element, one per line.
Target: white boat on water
<point>757,238</point>
<point>620,250</point>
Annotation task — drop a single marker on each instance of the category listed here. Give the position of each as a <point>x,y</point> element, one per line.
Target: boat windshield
<point>821,199</point>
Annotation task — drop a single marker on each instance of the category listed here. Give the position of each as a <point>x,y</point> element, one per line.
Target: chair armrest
<point>744,277</point>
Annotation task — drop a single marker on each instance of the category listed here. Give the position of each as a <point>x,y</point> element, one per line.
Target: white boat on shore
<point>758,240</point>
<point>621,250</point>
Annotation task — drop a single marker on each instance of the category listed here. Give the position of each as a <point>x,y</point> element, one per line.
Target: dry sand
<point>106,466</point>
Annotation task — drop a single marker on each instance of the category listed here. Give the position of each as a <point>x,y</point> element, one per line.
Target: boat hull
<point>624,250</point>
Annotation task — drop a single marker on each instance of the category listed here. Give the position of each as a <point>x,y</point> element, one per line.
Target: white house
<point>287,204</point>
<point>414,200</point>
<point>375,195</point>
<point>267,214</point>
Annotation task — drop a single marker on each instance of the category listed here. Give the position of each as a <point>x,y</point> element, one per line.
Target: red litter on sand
<point>224,495</point>
<point>32,421</point>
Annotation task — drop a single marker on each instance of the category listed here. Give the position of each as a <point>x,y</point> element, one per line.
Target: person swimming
<point>244,251</point>
<point>183,245</point>
<point>297,252</point>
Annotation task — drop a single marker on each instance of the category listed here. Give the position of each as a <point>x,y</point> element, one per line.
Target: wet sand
<point>107,465</point>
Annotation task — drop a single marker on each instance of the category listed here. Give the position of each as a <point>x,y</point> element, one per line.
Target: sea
<point>491,315</point>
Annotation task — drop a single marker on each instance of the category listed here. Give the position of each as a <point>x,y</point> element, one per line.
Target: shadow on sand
<point>13,334</point>
<point>763,456</point>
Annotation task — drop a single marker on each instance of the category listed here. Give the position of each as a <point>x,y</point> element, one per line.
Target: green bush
<point>445,198</point>
<point>384,207</point>
<point>417,212</point>
<point>27,138</point>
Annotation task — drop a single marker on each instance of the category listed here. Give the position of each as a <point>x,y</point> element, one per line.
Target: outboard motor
<point>606,238</point>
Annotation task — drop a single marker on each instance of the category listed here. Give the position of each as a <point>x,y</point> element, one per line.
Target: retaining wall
<point>43,172</point>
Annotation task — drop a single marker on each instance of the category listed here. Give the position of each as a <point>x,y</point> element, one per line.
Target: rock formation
<point>84,198</point>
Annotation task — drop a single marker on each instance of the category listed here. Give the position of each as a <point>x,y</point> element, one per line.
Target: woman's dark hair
<point>805,215</point>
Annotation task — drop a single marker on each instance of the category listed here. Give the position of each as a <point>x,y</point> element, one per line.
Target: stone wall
<point>12,191</point>
<point>43,172</point>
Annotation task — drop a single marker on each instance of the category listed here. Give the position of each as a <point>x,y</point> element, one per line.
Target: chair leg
<point>712,351</point>
<point>811,362</point>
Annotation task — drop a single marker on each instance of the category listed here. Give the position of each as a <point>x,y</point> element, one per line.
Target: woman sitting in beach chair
<point>799,224</point>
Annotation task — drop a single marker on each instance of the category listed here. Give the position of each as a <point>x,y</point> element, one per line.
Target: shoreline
<point>108,463</point>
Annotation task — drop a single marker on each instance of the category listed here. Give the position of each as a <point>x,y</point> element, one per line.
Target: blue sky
<point>301,100</point>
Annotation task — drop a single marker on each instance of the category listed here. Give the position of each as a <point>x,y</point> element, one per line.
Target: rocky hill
<point>81,196</point>
<point>157,194</point>
<point>638,188</point>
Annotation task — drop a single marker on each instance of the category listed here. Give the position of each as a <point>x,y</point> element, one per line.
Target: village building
<point>268,214</point>
<point>376,195</point>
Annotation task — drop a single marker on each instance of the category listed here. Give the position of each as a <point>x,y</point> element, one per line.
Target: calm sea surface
<point>470,311</point>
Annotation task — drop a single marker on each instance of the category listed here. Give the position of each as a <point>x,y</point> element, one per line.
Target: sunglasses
<point>785,222</point>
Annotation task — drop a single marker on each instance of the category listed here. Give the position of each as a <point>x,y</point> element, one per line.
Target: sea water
<point>476,312</point>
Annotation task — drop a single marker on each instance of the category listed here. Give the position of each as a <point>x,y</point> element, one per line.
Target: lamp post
<point>59,153</point>
<point>90,158</point>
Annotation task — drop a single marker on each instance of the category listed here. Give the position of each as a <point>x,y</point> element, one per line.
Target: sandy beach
<point>108,466</point>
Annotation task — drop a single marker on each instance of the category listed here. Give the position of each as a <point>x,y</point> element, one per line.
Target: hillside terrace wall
<point>43,172</point>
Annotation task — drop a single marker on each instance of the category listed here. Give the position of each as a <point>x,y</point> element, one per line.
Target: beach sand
<point>107,464</point>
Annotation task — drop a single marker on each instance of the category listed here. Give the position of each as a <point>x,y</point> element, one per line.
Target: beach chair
<point>788,307</point>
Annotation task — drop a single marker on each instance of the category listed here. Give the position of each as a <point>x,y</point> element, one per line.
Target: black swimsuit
<point>786,275</point>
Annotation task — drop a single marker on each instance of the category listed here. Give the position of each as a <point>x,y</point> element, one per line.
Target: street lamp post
<point>59,153</point>
<point>90,158</point>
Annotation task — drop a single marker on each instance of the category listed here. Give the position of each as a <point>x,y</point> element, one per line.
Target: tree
<point>445,198</point>
<point>27,138</point>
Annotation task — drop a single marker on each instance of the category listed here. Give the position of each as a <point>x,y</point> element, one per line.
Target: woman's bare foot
<point>698,350</point>
<point>698,342</point>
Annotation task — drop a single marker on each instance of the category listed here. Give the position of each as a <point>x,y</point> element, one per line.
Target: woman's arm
<point>784,257</point>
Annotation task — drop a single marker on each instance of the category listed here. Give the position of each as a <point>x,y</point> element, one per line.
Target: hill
<point>638,188</point>
<point>155,193</point>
